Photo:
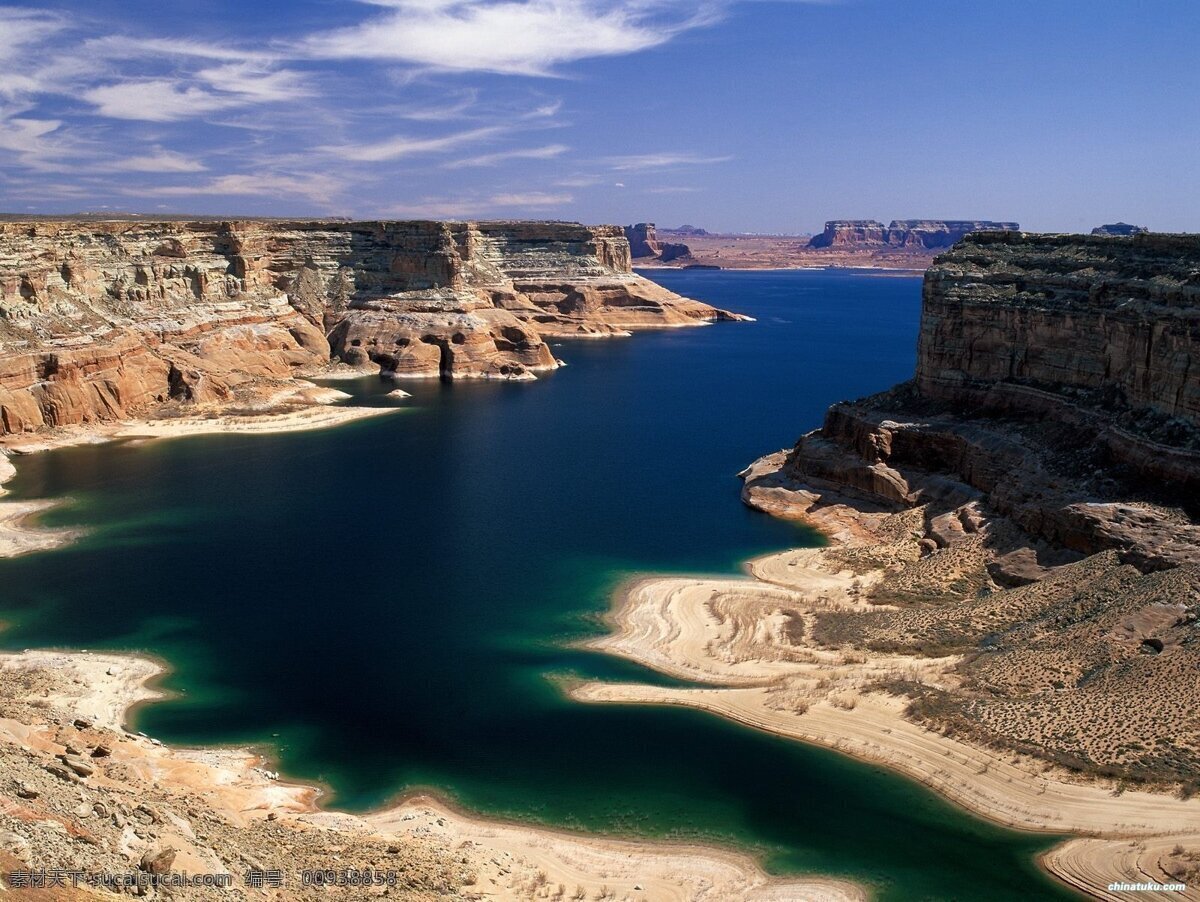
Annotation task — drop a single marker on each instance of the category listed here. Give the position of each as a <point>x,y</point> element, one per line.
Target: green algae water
<point>388,603</point>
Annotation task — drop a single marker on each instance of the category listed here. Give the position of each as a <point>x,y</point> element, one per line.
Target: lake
<point>388,604</point>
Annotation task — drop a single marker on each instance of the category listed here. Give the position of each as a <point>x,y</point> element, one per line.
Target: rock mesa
<point>103,320</point>
<point>909,234</point>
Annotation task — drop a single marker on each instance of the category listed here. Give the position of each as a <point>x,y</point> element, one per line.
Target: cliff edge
<point>103,320</point>
<point>1040,476</point>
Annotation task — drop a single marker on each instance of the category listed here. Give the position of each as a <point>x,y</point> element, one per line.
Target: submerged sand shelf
<point>747,647</point>
<point>214,810</point>
<point>220,808</point>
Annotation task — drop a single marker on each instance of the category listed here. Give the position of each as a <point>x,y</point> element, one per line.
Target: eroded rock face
<point>1032,499</point>
<point>1058,384</point>
<point>1111,323</point>
<point>846,232</point>
<point>644,243</point>
<point>100,320</point>
<point>939,233</point>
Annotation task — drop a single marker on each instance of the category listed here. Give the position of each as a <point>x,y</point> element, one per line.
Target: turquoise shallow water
<point>386,602</point>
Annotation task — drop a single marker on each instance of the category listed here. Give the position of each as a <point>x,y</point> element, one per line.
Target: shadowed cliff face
<point>1113,321</point>
<point>102,320</point>
<point>1057,382</point>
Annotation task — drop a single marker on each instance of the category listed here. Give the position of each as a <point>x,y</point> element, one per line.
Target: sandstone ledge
<point>103,321</point>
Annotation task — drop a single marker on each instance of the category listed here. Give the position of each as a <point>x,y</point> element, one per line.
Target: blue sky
<point>736,115</point>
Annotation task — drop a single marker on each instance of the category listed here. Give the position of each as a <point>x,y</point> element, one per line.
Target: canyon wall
<point>910,234</point>
<point>102,320</point>
<point>1057,383</point>
<point>1112,322</point>
<point>851,233</point>
<point>1027,508</point>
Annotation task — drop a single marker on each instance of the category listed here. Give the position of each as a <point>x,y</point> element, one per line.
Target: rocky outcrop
<point>851,233</point>
<point>1017,323</point>
<point>932,234</point>
<point>687,231</point>
<point>645,244</point>
<point>1030,506</point>
<point>909,234</point>
<point>101,320</point>
<point>1057,384</point>
<point>1119,228</point>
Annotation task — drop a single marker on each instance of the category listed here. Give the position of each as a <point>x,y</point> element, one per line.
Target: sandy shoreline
<point>744,644</point>
<point>509,860</point>
<point>731,637</point>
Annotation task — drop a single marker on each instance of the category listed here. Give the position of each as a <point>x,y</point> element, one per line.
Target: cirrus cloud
<point>153,107</point>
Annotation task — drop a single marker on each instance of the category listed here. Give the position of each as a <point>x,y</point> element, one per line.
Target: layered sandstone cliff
<point>909,234</point>
<point>1111,324</point>
<point>102,320</point>
<point>1058,381</point>
<point>1029,506</point>
<point>850,232</point>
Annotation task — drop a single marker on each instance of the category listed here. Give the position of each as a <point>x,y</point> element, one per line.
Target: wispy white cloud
<point>530,199</point>
<point>516,37</point>
<point>314,186</point>
<point>123,47</point>
<point>210,90</point>
<point>470,207</point>
<point>547,152</point>
<point>545,110</point>
<point>649,161</point>
<point>133,110</point>
<point>27,136</point>
<point>579,181</point>
<point>401,145</point>
<point>20,29</point>
<point>252,82</point>
<point>155,100</point>
<point>445,110</point>
<point>159,161</point>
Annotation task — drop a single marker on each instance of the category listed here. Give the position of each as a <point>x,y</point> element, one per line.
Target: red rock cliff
<point>100,320</point>
<point>1057,383</point>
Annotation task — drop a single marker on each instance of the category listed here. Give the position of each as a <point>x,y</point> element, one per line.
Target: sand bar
<point>746,647</point>
<point>508,861</point>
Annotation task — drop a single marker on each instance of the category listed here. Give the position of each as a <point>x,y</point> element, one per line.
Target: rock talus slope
<point>102,320</point>
<point>1049,449</point>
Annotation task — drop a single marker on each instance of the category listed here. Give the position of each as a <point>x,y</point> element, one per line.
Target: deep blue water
<point>386,602</point>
